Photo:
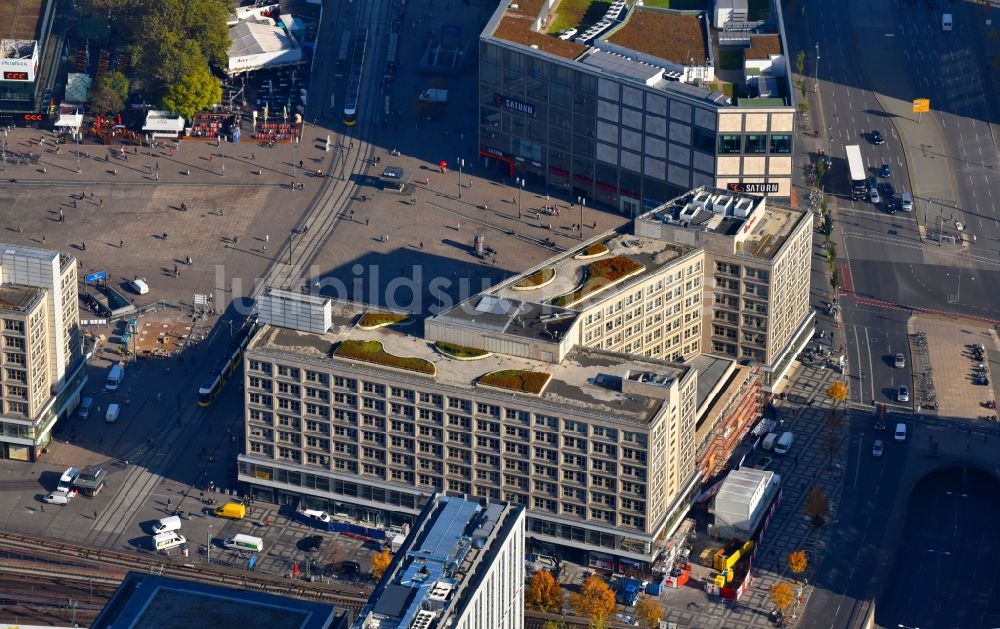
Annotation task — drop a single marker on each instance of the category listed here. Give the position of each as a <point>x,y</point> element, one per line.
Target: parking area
<point>946,349</point>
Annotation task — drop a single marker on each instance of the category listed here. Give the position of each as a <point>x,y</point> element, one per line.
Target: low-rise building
<point>461,567</point>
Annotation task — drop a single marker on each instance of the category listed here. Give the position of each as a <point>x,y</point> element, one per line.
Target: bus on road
<point>856,170</point>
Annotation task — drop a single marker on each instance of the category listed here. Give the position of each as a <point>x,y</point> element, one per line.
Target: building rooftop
<point>676,37</point>
<point>18,297</point>
<point>763,46</point>
<point>757,225</point>
<point>587,381</point>
<point>662,48</point>
<point>519,26</point>
<point>19,20</point>
<point>442,563</point>
<point>145,601</point>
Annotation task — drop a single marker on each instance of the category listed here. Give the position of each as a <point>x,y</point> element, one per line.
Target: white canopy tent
<point>163,124</point>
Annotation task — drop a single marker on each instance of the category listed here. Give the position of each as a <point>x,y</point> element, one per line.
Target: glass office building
<point>629,128</point>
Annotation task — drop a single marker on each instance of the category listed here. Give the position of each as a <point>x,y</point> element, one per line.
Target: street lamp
<point>520,186</point>
<point>582,201</point>
<point>293,156</point>
<point>78,170</point>
<point>208,544</point>
<point>461,162</point>
<point>816,73</point>
<point>222,153</point>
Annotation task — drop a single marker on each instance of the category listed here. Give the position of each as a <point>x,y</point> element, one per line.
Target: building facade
<point>756,300</point>
<point>625,121</point>
<point>462,566</point>
<point>42,361</point>
<point>29,53</point>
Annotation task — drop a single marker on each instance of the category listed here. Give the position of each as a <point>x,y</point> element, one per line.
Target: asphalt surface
<point>947,545</point>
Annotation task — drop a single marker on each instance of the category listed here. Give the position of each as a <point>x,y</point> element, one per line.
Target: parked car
<point>876,137</point>
<point>874,196</point>
<point>900,362</point>
<point>885,171</point>
<point>877,448</point>
<point>311,543</point>
<point>904,393</point>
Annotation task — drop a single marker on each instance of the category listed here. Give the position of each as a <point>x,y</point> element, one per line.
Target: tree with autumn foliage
<point>837,392</point>
<point>817,505</point>
<point>595,601</point>
<point>648,611</point>
<point>380,561</point>
<point>797,562</point>
<point>782,595</point>
<point>543,593</point>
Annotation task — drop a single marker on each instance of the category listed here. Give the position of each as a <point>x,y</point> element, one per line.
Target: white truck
<point>434,96</point>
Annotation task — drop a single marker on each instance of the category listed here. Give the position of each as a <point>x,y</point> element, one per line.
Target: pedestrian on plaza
<point>367,220</point>
<point>267,238</point>
<point>236,239</point>
<point>83,245</point>
<point>95,515</point>
<point>253,157</point>
<point>421,244</point>
<point>156,176</point>
<point>164,235</point>
<point>176,273</point>
<point>74,204</point>
<point>43,240</point>
<point>121,244</point>
<point>221,213</point>
<point>101,203</point>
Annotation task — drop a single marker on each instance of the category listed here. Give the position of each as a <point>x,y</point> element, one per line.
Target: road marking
<point>871,375</point>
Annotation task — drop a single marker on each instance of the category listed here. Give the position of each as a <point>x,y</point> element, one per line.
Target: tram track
<point>126,561</point>
<point>336,198</point>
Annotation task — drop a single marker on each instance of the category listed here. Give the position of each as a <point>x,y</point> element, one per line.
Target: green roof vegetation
<point>374,319</point>
<point>517,380</point>
<point>678,5</point>
<point>537,278</point>
<point>460,351</point>
<point>598,275</point>
<point>596,249</point>
<point>372,352</point>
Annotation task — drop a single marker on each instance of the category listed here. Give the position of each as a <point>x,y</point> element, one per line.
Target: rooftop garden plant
<point>372,352</point>
<point>517,380</point>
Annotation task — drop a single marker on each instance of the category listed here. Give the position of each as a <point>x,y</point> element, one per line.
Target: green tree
<point>831,254</point>
<point>836,279</point>
<point>800,62</point>
<point>189,85</point>
<point>205,23</point>
<point>820,170</point>
<point>109,93</point>
<point>803,108</point>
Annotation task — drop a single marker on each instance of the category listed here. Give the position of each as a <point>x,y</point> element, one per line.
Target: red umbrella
<point>295,569</point>
<point>443,165</point>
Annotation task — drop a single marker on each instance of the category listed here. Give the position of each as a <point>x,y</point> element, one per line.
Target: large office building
<point>758,261</point>
<point>43,367</point>
<point>29,56</point>
<point>639,104</point>
<point>461,567</point>
<point>578,388</point>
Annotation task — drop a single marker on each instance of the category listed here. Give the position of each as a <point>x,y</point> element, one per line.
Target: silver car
<point>874,196</point>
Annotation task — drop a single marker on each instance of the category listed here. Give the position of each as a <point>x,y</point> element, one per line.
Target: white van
<point>769,439</point>
<point>115,376</point>
<point>946,22</point>
<point>112,415</point>
<point>900,431</point>
<point>167,525</point>
<point>165,541</point>
<point>784,443</point>
<point>140,286</point>
<point>906,202</point>
<point>66,480</point>
<point>244,542</point>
